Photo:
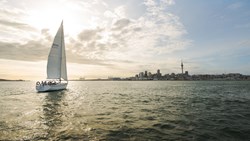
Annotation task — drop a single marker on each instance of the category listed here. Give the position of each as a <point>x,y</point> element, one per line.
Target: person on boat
<point>38,83</point>
<point>44,83</point>
<point>49,83</point>
<point>53,82</point>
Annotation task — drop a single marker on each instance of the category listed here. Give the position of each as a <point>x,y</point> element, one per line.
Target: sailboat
<point>56,66</point>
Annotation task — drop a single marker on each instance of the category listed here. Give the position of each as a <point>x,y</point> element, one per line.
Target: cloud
<point>47,36</point>
<point>117,40</point>
<point>109,14</point>
<point>11,16</point>
<point>155,7</point>
<point>120,11</point>
<point>12,26</point>
<point>168,2</point>
<point>16,25</point>
<point>30,51</point>
<point>89,35</point>
<point>37,51</point>
<point>6,13</point>
<point>156,32</point>
<point>121,23</point>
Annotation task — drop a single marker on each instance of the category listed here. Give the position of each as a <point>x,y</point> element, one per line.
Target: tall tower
<point>158,71</point>
<point>181,67</point>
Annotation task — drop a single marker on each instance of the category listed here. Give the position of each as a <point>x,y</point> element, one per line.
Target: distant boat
<point>56,66</point>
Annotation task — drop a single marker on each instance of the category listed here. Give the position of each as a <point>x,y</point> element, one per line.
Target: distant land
<point>11,80</point>
<point>182,76</point>
<point>147,76</point>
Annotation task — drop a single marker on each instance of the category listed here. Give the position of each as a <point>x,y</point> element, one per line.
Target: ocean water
<point>127,111</point>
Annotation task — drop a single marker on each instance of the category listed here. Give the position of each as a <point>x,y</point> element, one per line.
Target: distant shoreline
<point>20,80</point>
<point>11,80</point>
<point>157,80</point>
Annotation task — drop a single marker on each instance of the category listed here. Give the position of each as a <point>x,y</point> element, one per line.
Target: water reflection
<point>53,112</point>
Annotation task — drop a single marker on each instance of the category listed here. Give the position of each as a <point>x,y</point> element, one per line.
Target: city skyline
<point>120,38</point>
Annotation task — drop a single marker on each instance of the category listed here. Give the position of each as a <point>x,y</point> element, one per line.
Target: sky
<point>111,38</point>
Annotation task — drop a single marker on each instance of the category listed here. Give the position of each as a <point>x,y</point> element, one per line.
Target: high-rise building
<point>181,67</point>
<point>158,74</point>
<point>141,75</point>
<point>158,71</point>
<point>149,74</point>
<point>146,74</point>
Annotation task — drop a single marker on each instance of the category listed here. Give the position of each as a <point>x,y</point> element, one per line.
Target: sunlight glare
<point>50,17</point>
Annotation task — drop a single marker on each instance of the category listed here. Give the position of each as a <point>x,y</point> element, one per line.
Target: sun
<point>50,16</point>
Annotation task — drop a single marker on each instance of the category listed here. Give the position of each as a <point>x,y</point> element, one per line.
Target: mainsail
<point>56,66</point>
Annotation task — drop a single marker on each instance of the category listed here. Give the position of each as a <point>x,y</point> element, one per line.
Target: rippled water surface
<point>132,110</point>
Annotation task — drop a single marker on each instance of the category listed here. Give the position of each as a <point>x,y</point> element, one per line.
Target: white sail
<point>56,66</point>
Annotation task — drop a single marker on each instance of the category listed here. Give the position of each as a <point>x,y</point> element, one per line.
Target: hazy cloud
<point>120,24</point>
<point>119,39</point>
<point>47,36</point>
<point>14,24</point>
<point>89,34</point>
<point>7,13</point>
<point>120,11</point>
<point>155,32</point>
<point>29,51</point>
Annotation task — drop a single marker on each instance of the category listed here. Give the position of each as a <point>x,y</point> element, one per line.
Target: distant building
<point>146,74</point>
<point>185,76</point>
<point>141,75</point>
<point>150,76</point>
<point>158,75</point>
<point>158,71</point>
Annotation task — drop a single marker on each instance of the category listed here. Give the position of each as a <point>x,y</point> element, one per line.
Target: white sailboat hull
<point>45,88</point>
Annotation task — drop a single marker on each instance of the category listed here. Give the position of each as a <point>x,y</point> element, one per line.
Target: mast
<point>61,50</point>
<point>63,67</point>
